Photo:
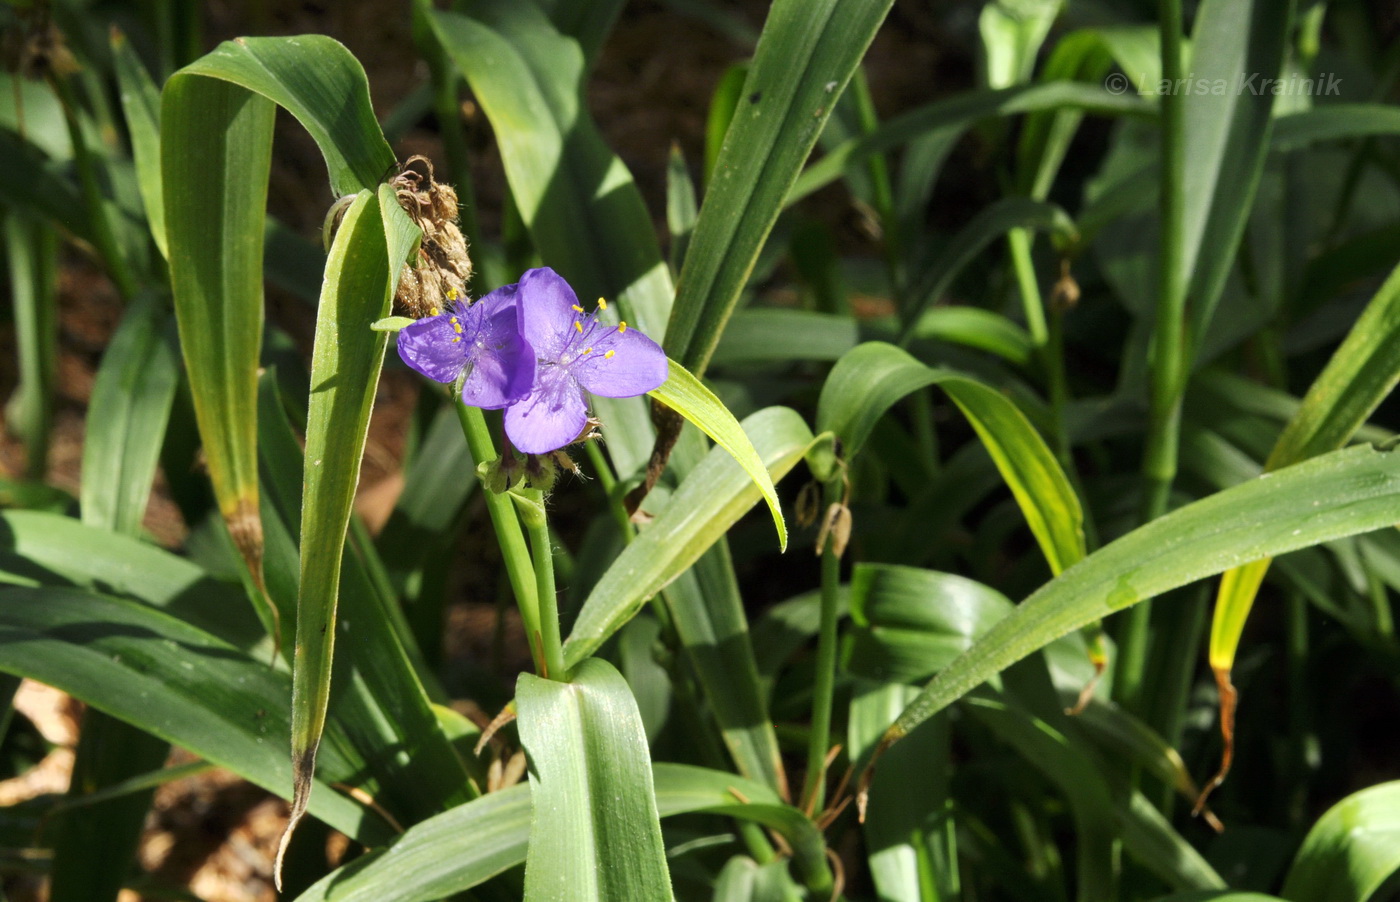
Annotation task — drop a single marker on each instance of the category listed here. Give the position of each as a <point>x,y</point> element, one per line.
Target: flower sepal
<point>391,323</point>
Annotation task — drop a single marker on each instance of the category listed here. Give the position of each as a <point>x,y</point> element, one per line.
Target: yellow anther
<point>622,326</point>
<point>588,350</point>
<point>433,311</point>
<point>602,304</point>
<point>452,294</point>
<point>457,338</point>
<point>578,308</point>
<point>579,326</point>
<point>457,327</point>
<point>452,319</point>
<point>608,356</point>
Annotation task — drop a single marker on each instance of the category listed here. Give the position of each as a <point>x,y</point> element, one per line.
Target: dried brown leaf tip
<point>443,268</point>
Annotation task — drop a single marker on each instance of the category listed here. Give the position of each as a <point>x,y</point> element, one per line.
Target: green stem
<point>824,685</point>
<point>519,566</point>
<point>1019,242</point>
<point>542,548</point>
<point>31,250</point>
<point>1168,363</point>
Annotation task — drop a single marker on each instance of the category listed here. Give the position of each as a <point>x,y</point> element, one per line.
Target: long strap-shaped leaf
<point>216,155</point>
<point>216,140</point>
<point>374,239</point>
<point>134,389</point>
<point>595,834</point>
<point>710,499</point>
<point>872,377</point>
<point>1362,373</point>
<point>1351,851</point>
<point>1329,497</point>
<point>807,53</point>
<point>473,842</point>
<point>178,682</point>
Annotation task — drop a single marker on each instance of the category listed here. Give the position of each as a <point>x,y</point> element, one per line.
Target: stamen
<point>452,294</point>
<point>602,304</point>
<point>622,326</point>
<point>579,326</point>
<point>608,356</point>
<point>457,327</point>
<point>457,338</point>
<point>578,308</point>
<point>587,351</point>
<point>433,311</point>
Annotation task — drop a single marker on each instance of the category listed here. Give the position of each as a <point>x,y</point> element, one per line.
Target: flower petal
<point>503,364</point>
<point>551,416</point>
<point>547,313</point>
<point>636,365</point>
<point>427,347</point>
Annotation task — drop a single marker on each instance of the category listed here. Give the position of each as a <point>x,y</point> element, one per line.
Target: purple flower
<point>481,344</point>
<point>575,353</point>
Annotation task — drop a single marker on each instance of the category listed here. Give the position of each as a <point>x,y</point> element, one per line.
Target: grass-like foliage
<point>911,562</point>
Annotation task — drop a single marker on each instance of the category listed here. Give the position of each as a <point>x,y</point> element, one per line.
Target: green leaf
<point>779,335</point>
<point>909,623</point>
<point>1012,34</point>
<point>1351,850</point>
<point>872,377</point>
<point>807,53</point>
<point>94,846</point>
<point>595,834</point>
<point>708,614</point>
<point>1328,497</point>
<point>471,843</point>
<point>908,825</point>
<point>44,549</point>
<point>134,389</point>
<point>1362,373</point>
<point>383,695</point>
<point>681,207</point>
<point>216,154</point>
<point>1102,817</point>
<point>177,682</point>
<point>374,239</point>
<point>957,114</point>
<point>710,499</point>
<point>216,141</point>
<point>976,328</point>
<point>1229,138</point>
<point>140,99</point>
<point>132,395</point>
<point>318,81</point>
<point>689,397</point>
<point>1217,896</point>
<point>1334,122</point>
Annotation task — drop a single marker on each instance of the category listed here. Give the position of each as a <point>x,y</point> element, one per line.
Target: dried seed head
<point>1065,293</point>
<point>837,523</point>
<point>443,268</point>
<point>808,504</point>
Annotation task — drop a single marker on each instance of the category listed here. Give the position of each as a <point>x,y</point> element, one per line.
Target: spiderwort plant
<point>532,349</point>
